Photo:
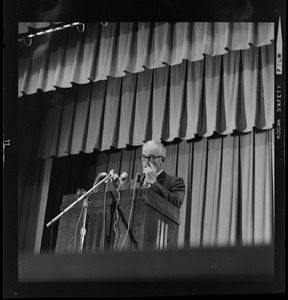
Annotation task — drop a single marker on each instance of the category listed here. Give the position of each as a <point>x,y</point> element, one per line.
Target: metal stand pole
<point>83,229</point>
<point>108,177</point>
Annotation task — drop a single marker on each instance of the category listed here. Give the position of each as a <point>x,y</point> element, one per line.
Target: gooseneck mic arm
<point>108,176</point>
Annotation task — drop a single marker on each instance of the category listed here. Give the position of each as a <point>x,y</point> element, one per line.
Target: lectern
<point>150,223</point>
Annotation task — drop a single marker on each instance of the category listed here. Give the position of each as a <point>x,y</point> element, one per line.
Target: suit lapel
<point>161,178</point>
<point>142,180</point>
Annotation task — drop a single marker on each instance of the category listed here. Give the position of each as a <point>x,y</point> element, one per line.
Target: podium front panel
<point>153,223</point>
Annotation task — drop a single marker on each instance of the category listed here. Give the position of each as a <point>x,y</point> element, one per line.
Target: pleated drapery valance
<point>219,94</point>
<point>69,56</point>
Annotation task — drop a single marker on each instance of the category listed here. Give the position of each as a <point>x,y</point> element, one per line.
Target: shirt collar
<point>159,172</point>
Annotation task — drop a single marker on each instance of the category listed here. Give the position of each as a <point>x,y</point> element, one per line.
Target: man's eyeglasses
<point>150,158</point>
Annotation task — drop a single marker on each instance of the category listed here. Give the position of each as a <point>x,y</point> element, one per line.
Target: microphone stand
<point>79,199</point>
<point>83,229</point>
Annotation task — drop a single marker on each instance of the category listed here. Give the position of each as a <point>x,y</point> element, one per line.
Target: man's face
<point>152,150</point>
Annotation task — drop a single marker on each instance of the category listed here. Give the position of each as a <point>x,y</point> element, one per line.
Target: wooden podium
<point>154,222</point>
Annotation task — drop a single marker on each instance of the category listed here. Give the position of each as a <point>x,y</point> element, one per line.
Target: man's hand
<point>150,173</point>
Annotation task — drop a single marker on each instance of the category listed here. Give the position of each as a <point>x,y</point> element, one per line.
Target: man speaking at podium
<point>169,187</point>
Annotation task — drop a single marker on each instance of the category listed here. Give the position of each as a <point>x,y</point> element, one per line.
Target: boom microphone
<point>102,175</point>
<point>99,177</point>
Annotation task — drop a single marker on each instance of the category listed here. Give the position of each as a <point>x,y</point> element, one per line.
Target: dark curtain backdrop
<point>31,169</point>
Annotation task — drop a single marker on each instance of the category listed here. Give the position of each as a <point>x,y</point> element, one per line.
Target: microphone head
<point>124,175</point>
<point>102,175</point>
<point>114,176</point>
<point>111,174</point>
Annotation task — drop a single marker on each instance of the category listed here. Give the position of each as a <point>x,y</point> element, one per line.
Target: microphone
<point>102,175</point>
<point>111,175</point>
<point>118,181</point>
<point>137,180</point>
<point>124,175</point>
<point>99,177</point>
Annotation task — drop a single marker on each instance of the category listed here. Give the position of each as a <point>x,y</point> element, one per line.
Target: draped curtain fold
<point>219,94</point>
<point>68,56</point>
<point>230,190</point>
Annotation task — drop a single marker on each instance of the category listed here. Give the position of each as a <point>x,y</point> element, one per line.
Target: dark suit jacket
<point>169,187</point>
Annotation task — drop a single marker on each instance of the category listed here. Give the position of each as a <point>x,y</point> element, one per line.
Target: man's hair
<point>161,147</point>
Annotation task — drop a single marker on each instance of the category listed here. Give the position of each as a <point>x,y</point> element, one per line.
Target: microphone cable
<point>76,229</point>
<point>104,216</point>
<point>131,209</point>
<point>117,219</point>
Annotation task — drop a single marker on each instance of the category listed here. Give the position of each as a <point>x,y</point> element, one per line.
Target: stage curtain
<point>33,173</point>
<point>69,56</point>
<point>229,181</point>
<point>229,186</point>
<point>219,94</point>
<point>182,101</point>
